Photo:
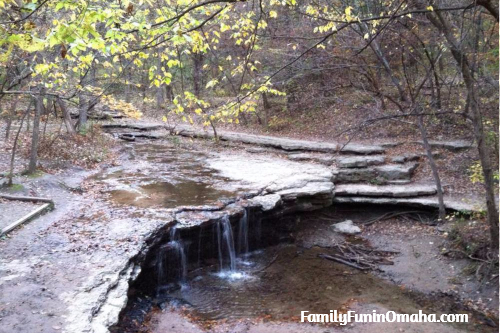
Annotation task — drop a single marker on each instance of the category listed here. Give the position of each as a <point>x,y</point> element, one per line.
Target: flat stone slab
<point>452,145</point>
<point>141,126</point>
<point>393,191</point>
<point>359,161</point>
<point>452,203</point>
<point>282,143</point>
<point>287,179</point>
<point>323,159</point>
<point>381,174</point>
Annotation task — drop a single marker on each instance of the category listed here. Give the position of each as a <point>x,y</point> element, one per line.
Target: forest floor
<point>44,261</point>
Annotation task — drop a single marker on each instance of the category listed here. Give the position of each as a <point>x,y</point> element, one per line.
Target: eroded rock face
<point>299,186</point>
<point>457,204</point>
<point>393,191</point>
<point>359,161</point>
<point>323,159</point>
<point>382,174</point>
<point>266,202</point>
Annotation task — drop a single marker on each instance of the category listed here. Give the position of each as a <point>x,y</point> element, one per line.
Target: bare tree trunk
<point>432,163</point>
<point>266,106</point>
<point>83,106</point>
<point>160,98</point>
<point>169,92</point>
<point>36,132</point>
<point>216,136</point>
<point>383,60</point>
<point>10,116</point>
<point>14,147</point>
<point>128,88</point>
<point>66,116</point>
<point>197,73</point>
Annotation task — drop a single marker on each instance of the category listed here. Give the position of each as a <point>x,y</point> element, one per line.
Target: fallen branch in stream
<point>359,256</point>
<point>390,215</point>
<point>268,264</point>
<point>345,262</point>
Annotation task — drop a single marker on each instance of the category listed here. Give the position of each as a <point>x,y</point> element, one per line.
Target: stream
<point>254,266</point>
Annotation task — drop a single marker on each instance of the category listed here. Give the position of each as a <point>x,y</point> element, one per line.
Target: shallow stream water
<point>161,175</point>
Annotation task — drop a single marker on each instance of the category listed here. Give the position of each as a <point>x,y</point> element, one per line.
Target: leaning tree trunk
<point>66,116</point>
<point>35,136</point>
<point>432,163</point>
<point>14,147</point>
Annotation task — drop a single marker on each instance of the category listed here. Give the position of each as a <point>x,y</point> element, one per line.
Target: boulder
<point>346,227</point>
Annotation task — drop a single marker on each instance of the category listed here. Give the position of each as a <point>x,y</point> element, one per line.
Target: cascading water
<point>172,259</point>
<point>243,234</point>
<point>177,244</point>
<point>225,245</point>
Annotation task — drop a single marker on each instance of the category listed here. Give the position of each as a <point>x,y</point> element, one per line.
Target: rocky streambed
<point>167,214</point>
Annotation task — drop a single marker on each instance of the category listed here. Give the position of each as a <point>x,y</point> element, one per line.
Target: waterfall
<point>219,245</point>
<point>160,267</point>
<point>225,243</point>
<point>178,246</point>
<point>172,259</point>
<point>243,234</point>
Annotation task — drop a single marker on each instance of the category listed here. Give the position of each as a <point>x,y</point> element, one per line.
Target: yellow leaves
<point>325,28</point>
<point>366,36</point>
<point>164,119</point>
<point>212,83</point>
<point>273,14</point>
<point>311,10</point>
<point>173,62</point>
<point>224,27</point>
<point>348,14</point>
<point>127,109</point>
<point>430,8</point>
